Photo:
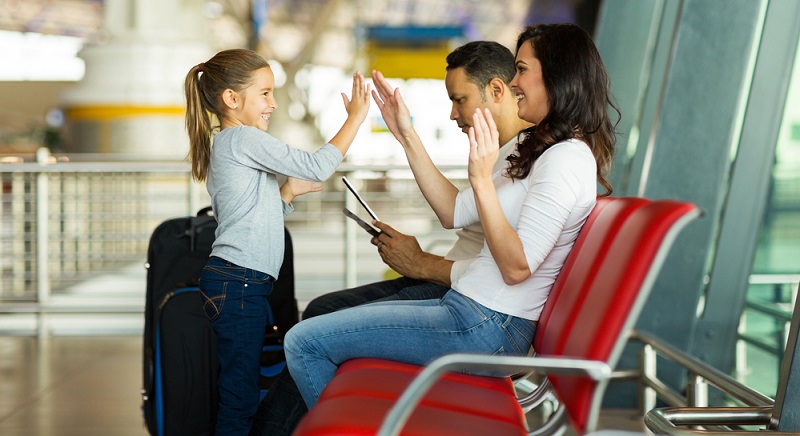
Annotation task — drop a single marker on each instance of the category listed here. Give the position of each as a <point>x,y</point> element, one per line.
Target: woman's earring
<point>234,106</point>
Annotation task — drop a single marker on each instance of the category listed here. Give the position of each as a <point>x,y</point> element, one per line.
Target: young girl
<point>530,213</point>
<point>237,87</point>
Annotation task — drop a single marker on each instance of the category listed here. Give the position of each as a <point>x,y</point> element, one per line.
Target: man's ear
<point>498,89</point>
<point>230,98</point>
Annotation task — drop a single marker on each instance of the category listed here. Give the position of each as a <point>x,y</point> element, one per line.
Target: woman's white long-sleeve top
<point>547,209</point>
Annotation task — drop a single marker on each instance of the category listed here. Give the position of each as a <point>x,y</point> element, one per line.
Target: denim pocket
<point>233,272</point>
<point>518,333</point>
<point>212,306</point>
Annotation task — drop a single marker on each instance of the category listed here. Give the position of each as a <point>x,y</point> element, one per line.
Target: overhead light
<point>213,9</point>
<point>278,72</point>
<point>36,56</point>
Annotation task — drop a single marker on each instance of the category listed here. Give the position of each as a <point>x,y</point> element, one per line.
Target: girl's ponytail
<point>198,124</point>
<point>229,69</point>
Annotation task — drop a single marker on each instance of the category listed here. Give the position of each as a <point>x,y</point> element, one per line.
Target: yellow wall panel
<point>426,62</point>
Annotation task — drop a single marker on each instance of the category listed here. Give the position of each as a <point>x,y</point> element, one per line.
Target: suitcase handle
<point>196,227</point>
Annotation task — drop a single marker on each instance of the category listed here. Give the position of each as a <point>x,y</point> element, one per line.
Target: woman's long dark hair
<point>579,95</point>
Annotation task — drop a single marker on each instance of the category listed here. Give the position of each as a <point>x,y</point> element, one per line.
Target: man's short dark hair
<point>483,61</point>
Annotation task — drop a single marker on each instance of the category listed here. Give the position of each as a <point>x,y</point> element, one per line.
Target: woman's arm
<point>438,191</point>
<point>502,239</point>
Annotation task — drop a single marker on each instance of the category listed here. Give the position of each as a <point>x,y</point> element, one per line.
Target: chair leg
<point>556,424</point>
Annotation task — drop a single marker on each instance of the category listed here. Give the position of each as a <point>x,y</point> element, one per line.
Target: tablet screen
<point>371,230</point>
<point>360,200</point>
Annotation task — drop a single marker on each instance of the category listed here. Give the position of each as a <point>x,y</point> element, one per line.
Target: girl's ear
<point>230,98</point>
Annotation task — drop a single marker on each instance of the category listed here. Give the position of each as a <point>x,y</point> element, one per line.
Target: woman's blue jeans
<point>407,331</point>
<point>235,300</point>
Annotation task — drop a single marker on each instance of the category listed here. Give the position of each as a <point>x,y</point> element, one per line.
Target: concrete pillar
<point>131,97</point>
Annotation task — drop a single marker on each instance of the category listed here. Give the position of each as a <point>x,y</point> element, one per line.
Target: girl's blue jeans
<point>407,331</point>
<point>235,300</point>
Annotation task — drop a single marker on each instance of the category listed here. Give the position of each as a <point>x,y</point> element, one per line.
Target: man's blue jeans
<point>282,408</point>
<point>407,331</point>
<point>235,300</point>
<point>402,288</point>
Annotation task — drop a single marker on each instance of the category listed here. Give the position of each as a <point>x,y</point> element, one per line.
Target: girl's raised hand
<point>484,146</point>
<point>358,105</point>
<point>393,109</point>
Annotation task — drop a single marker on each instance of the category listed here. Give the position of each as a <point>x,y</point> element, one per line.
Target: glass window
<point>776,267</point>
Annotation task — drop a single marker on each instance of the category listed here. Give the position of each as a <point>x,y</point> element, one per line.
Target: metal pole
<point>350,273</point>
<point>42,227</point>
<point>697,391</point>
<point>741,350</point>
<point>647,395</point>
<point>194,195</point>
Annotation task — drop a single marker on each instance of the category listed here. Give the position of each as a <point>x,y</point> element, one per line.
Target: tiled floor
<point>89,386</point>
<point>70,386</point>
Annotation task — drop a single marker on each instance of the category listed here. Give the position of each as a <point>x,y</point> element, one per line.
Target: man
<point>478,74</point>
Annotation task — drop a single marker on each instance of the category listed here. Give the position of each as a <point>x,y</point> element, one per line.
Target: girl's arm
<point>357,109</point>
<point>272,155</point>
<point>438,191</point>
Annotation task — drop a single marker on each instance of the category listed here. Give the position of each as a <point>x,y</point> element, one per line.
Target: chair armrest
<point>666,420</point>
<point>402,409</point>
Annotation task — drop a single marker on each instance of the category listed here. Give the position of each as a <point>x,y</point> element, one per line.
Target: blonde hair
<point>204,85</point>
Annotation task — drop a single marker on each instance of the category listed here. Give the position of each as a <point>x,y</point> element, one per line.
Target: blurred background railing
<point>65,222</point>
<point>70,226</point>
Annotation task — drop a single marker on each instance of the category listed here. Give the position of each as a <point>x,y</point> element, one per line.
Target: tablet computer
<point>364,225</point>
<point>360,200</point>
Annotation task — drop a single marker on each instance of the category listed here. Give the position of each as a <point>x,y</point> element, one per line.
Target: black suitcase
<point>179,393</point>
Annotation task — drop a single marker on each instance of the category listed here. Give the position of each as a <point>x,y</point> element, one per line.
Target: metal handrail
<point>715,377</point>
<point>662,421</point>
<point>780,317</point>
<point>716,420</point>
<point>760,408</point>
<point>771,311</point>
<point>755,341</point>
<point>143,165</point>
<point>774,279</point>
<point>95,167</point>
<point>35,247</point>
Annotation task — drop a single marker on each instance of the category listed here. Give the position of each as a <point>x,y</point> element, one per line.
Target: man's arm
<point>403,254</point>
<point>439,192</point>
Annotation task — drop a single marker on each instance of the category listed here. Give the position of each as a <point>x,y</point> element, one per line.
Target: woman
<point>531,213</point>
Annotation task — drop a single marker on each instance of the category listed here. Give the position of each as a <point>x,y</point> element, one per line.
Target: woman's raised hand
<point>358,105</point>
<point>393,109</point>
<point>484,146</point>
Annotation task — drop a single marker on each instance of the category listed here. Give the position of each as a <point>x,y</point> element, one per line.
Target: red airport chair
<point>581,334</point>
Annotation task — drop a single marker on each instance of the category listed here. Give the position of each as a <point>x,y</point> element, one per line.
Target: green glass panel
<point>776,267</point>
